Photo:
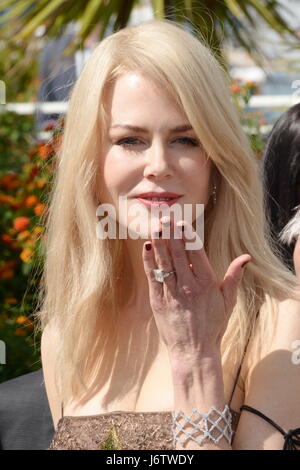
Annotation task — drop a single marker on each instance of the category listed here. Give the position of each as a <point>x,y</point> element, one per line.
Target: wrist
<point>210,362</point>
<point>199,381</point>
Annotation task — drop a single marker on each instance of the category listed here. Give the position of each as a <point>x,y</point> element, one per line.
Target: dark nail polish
<point>182,228</point>
<point>244,264</point>
<point>148,246</point>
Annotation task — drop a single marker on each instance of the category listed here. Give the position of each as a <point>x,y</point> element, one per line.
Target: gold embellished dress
<point>141,430</point>
<point>122,430</point>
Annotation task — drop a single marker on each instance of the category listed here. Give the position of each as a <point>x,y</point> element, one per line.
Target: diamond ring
<point>159,274</point>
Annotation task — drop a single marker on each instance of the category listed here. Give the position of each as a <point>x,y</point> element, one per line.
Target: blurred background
<point>43,46</point>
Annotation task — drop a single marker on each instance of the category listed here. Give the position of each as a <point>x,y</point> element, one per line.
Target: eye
<point>189,141</point>
<point>129,141</point>
<point>126,142</point>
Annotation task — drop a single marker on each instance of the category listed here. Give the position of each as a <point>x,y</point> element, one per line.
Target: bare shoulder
<point>285,328</point>
<point>272,383</point>
<point>288,321</point>
<point>49,341</point>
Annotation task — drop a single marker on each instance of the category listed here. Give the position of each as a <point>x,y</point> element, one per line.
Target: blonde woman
<point>160,348</point>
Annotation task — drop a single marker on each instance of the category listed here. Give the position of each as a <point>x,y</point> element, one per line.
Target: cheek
<point>117,174</point>
<point>199,179</point>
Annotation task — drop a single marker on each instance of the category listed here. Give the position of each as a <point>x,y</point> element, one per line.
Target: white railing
<point>53,107</point>
<point>273,101</point>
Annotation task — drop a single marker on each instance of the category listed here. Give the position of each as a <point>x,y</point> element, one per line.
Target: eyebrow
<point>182,128</point>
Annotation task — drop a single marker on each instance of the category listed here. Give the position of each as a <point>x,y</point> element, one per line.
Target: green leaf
<point>210,19</point>
<point>38,19</point>
<point>14,10</point>
<point>111,442</point>
<point>26,268</point>
<point>268,15</point>
<point>158,8</point>
<point>235,8</point>
<point>89,17</point>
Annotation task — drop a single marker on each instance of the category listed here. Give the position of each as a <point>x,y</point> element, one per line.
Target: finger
<point>163,256</point>
<point>232,279</point>
<point>179,257</point>
<point>155,287</point>
<point>201,266</point>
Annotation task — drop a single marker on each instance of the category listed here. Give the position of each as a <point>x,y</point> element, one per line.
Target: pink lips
<point>150,204</point>
<point>158,194</point>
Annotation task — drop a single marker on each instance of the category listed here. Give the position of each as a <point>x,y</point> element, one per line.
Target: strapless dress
<point>119,430</point>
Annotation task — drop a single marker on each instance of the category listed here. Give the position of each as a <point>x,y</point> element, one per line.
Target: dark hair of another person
<point>281,175</point>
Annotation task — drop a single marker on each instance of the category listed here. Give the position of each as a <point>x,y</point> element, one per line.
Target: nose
<point>158,163</point>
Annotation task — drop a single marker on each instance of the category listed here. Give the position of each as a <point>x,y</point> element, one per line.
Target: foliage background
<point>23,212</point>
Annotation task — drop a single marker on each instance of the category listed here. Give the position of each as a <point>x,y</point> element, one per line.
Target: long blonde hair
<point>79,288</point>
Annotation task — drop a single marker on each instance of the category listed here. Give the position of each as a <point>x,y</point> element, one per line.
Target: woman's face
<point>156,158</point>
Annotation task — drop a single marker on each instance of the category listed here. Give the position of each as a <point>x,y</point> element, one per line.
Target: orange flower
<point>9,274</point>
<point>34,171</point>
<point>37,233</point>
<point>6,271</point>
<point>31,201</point>
<point>20,332</point>
<point>10,300</point>
<point>7,199</point>
<point>26,255</point>
<point>37,229</point>
<point>234,88</point>
<point>23,235</point>
<point>45,151</point>
<point>28,323</point>
<point>10,180</point>
<point>21,223</point>
<point>39,209</point>
<point>7,238</point>
<point>21,319</point>
<point>57,143</point>
<point>49,127</point>
<point>41,182</point>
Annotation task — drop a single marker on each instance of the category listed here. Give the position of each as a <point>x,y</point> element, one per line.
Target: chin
<point>141,235</point>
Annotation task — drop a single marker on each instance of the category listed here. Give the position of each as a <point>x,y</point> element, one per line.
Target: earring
<point>214,194</point>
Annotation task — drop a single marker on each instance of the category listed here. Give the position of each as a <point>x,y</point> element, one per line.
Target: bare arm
<point>200,387</point>
<point>272,387</point>
<point>48,348</point>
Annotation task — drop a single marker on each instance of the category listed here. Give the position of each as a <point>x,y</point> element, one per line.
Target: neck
<point>134,279</point>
